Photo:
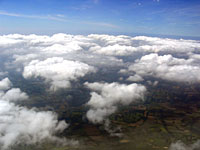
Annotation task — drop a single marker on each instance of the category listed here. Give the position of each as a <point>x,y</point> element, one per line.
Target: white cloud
<point>62,58</point>
<point>14,94</point>
<point>106,96</point>
<point>57,71</point>
<point>24,58</point>
<point>155,44</point>
<point>126,45</point>
<point>102,24</point>
<point>61,48</point>
<point>25,48</point>
<point>135,78</point>
<point>118,50</point>
<point>105,40</point>
<point>48,17</point>
<point>152,83</point>
<point>5,84</point>
<point>61,18</point>
<point>99,51</point>
<point>181,146</point>
<point>100,44</point>
<point>21,125</point>
<point>195,57</point>
<point>167,67</point>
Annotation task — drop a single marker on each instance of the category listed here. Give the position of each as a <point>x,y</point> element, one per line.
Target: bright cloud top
<point>62,58</point>
<point>126,45</point>
<point>106,96</point>
<point>57,71</point>
<point>167,67</point>
<point>22,125</point>
<point>179,145</point>
<point>135,78</point>
<point>5,84</point>
<point>62,44</point>
<point>155,44</point>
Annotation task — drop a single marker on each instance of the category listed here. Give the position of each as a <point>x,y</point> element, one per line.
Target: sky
<point>164,17</point>
<point>85,69</point>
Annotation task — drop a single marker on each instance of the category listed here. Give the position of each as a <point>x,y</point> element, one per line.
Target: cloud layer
<point>121,45</point>
<point>21,125</point>
<point>106,96</point>
<point>57,71</point>
<point>31,52</point>
<point>61,59</point>
<point>167,67</point>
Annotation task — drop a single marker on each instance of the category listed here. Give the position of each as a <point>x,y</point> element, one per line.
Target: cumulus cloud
<point>105,40</point>
<point>62,58</point>
<point>135,78</point>
<point>167,67</point>
<point>106,96</point>
<point>112,45</point>
<point>181,146</point>
<point>14,94</point>
<point>33,46</point>
<point>16,44</point>
<point>116,50</point>
<point>126,45</point>
<point>99,51</point>
<point>21,125</point>
<point>121,45</point>
<point>152,83</point>
<point>57,71</point>
<point>24,58</point>
<point>5,84</point>
<point>155,44</point>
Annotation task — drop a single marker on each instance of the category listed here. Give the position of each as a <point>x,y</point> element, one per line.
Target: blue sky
<point>167,17</point>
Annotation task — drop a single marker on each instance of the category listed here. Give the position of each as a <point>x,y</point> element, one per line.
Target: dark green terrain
<point>169,113</point>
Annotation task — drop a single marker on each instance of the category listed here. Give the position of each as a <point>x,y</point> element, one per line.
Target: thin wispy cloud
<point>189,11</point>
<point>104,24</point>
<point>96,1</point>
<point>82,7</point>
<point>86,5</point>
<point>58,17</point>
<point>105,16</point>
<point>48,17</point>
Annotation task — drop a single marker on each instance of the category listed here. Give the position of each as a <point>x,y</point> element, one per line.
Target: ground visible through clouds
<point>99,92</point>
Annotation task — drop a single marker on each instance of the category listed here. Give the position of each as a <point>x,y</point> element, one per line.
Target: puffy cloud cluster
<point>62,44</point>
<point>57,71</point>
<point>155,44</point>
<point>98,51</point>
<point>181,146</point>
<point>126,45</point>
<point>106,96</point>
<point>5,84</point>
<point>61,59</point>
<point>135,78</point>
<point>167,67</point>
<point>116,50</point>
<point>21,125</point>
